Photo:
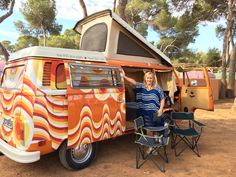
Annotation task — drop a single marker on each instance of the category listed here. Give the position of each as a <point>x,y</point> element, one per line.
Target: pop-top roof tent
<point>106,32</point>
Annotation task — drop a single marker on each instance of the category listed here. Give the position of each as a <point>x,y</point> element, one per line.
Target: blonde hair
<point>154,84</point>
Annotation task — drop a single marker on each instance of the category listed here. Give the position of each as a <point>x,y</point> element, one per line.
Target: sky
<point>69,12</point>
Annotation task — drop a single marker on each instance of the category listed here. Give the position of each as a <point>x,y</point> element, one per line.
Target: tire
<point>78,157</point>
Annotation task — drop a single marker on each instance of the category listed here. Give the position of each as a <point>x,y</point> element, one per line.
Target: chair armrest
<point>156,137</point>
<point>198,123</point>
<point>155,129</point>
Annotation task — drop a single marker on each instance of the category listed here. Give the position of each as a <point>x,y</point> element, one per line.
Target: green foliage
<point>26,41</point>
<point>8,46</point>
<point>26,30</point>
<point>69,39</point>
<point>4,4</point>
<point>213,58</point>
<point>41,17</point>
<point>139,13</point>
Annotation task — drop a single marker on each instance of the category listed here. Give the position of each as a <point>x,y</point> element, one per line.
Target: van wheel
<point>78,157</point>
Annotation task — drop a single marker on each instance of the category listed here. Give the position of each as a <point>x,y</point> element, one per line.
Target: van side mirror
<point>194,83</point>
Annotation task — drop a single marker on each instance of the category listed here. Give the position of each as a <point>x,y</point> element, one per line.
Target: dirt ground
<point>116,157</point>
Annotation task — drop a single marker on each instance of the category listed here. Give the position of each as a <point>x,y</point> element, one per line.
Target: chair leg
<point>137,157</point>
<point>192,144</point>
<point>166,157</point>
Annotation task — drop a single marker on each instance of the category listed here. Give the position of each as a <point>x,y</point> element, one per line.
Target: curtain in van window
<point>13,77</point>
<point>94,76</point>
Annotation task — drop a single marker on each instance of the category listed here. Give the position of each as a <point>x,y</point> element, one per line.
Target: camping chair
<point>190,135</point>
<point>155,142</point>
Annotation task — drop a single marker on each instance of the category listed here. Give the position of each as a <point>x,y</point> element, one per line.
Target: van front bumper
<point>18,155</point>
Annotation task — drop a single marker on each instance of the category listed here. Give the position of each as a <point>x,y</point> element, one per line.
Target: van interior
<point>165,79</point>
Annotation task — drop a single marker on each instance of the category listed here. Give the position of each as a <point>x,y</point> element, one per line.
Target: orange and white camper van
<point>68,100</point>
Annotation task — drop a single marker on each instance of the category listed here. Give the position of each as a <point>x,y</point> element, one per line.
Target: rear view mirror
<point>194,83</point>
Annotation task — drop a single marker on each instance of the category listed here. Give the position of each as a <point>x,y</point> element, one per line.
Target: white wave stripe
<point>86,90</point>
<point>55,145</point>
<point>57,102</point>
<point>101,96</point>
<point>25,115</point>
<point>117,126</point>
<point>123,128</point>
<point>8,96</point>
<point>57,135</point>
<point>40,120</point>
<point>118,132</point>
<point>115,96</point>
<point>57,123</point>
<point>106,107</point>
<point>9,103</point>
<point>117,117</point>
<point>41,109</point>
<point>106,136</point>
<point>122,108</point>
<point>18,99</point>
<point>96,136</point>
<point>85,141</point>
<point>27,102</point>
<point>17,110</point>
<point>102,120</point>
<point>58,114</point>
<point>42,132</point>
<point>79,125</point>
<point>72,142</point>
<point>28,89</point>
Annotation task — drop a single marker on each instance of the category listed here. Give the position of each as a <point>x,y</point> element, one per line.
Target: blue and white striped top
<point>148,101</point>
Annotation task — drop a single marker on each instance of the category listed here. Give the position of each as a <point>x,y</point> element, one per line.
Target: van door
<point>96,103</point>
<point>196,91</point>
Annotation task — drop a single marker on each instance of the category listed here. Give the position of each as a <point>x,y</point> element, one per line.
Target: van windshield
<point>13,77</point>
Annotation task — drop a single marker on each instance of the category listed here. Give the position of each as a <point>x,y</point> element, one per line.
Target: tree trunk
<point>83,7</point>
<point>223,74</point>
<point>44,35</point>
<point>4,51</point>
<point>121,8</point>
<point>114,6</point>
<point>232,69</point>
<point>9,13</point>
<point>225,52</point>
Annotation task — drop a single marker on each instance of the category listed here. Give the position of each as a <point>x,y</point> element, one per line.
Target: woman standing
<point>150,99</point>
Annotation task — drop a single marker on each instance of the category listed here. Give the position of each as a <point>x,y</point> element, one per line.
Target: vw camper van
<point>66,100</point>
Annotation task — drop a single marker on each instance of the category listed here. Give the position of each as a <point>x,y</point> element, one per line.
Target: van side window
<point>127,46</point>
<point>60,77</point>
<point>46,80</point>
<point>13,77</point>
<point>195,79</point>
<point>91,76</point>
<point>98,35</point>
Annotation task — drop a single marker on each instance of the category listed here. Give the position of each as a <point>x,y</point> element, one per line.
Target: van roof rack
<point>58,53</point>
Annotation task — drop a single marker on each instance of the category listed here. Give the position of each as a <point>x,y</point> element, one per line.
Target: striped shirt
<point>148,101</point>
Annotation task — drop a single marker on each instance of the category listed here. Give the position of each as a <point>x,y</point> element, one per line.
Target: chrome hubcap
<point>81,153</point>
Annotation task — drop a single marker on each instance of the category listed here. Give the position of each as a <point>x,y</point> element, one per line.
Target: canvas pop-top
<point>67,100</point>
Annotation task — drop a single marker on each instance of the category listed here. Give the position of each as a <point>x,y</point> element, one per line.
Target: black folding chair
<point>189,134</point>
<point>155,143</point>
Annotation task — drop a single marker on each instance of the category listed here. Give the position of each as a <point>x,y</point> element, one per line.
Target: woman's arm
<point>130,80</point>
<point>162,104</point>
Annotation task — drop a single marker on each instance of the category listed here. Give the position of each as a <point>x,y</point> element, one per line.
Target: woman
<point>150,99</point>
